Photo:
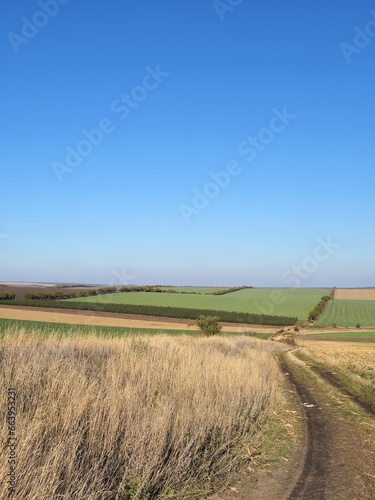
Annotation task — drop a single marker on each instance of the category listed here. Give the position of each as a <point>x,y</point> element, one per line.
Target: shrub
<point>7,296</point>
<point>108,289</point>
<point>208,325</point>
<point>250,333</point>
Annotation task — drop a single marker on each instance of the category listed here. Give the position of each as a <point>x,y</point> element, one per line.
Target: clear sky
<point>188,142</point>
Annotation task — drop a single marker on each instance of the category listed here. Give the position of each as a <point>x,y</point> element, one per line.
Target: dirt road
<point>336,460</point>
<point>339,453</point>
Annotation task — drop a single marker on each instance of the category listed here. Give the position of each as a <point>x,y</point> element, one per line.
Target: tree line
<point>229,290</point>
<point>319,308</point>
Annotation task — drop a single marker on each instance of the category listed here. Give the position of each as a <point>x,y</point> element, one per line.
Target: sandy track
<point>107,319</point>
<point>354,294</point>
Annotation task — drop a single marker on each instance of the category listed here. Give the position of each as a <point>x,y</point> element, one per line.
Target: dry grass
<point>155,417</point>
<point>354,294</point>
<point>348,356</point>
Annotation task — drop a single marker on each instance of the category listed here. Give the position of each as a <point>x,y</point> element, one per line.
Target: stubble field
<point>355,294</point>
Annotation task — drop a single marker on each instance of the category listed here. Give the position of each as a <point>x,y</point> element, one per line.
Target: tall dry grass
<point>138,417</point>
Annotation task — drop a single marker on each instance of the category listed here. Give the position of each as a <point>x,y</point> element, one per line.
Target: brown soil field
<point>355,294</point>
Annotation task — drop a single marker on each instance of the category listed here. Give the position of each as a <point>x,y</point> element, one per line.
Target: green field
<point>278,302</point>
<point>348,313</point>
<point>341,335</point>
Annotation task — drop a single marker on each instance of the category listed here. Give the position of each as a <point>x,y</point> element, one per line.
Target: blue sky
<point>171,94</point>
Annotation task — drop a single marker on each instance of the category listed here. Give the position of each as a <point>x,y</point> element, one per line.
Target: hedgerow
<point>63,294</point>
<point>168,312</point>
<point>229,290</point>
<point>318,309</point>
<point>50,295</point>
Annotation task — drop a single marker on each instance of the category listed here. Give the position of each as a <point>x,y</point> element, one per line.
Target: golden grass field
<point>354,294</point>
<point>166,417</point>
<point>354,359</point>
<point>343,354</point>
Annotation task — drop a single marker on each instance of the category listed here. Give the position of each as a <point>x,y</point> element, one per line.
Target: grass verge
<point>340,335</point>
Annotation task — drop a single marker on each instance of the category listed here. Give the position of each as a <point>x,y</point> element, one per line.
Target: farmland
<point>278,302</point>
<point>192,429</point>
<point>348,313</point>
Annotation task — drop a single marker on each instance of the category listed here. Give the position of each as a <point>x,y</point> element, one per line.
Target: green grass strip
<point>102,331</point>
<point>341,335</point>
